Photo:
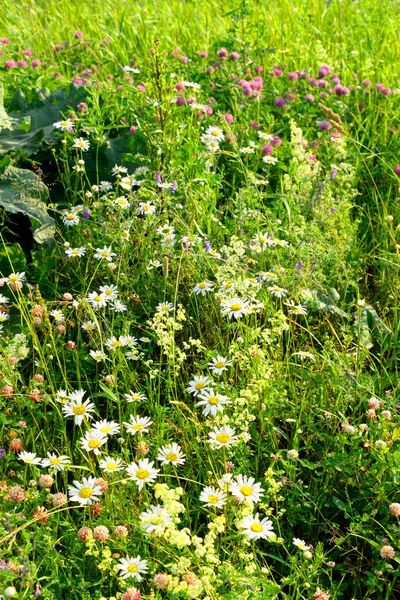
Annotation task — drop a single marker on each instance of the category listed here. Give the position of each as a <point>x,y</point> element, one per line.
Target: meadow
<point>199,300</point>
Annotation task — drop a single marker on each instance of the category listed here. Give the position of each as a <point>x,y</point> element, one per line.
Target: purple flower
<point>2,452</point>
<point>78,35</point>
<point>235,55</point>
<point>86,213</point>
<point>228,118</point>
<point>28,52</point>
<point>332,175</point>
<point>397,170</point>
<point>299,265</point>
<point>333,210</point>
<point>133,129</point>
<point>57,47</point>
<point>293,76</point>
<point>36,63</point>
<point>267,150</point>
<point>309,98</point>
<point>222,53</point>
<point>158,177</point>
<point>203,54</point>
<point>22,64</point>
<point>279,102</point>
<point>208,247</point>
<point>10,64</point>
<point>174,187</point>
<point>324,125</point>
<point>5,41</point>
<point>37,591</point>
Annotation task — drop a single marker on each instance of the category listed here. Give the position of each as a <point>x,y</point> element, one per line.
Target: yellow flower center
<point>93,443</point>
<point>98,298</point>
<point>111,466</point>
<point>213,499</point>
<point>79,410</point>
<point>70,217</point>
<point>85,492</point>
<point>213,400</point>
<point>64,123</point>
<point>199,385</point>
<point>219,364</point>
<point>13,278</point>
<point>172,456</point>
<point>106,254</point>
<point>215,133</point>
<point>236,306</point>
<point>55,461</point>
<point>202,286</point>
<point>75,252</point>
<point>108,292</point>
<point>155,519</point>
<point>256,527</point>
<point>138,427</point>
<point>132,569</point>
<point>228,286</point>
<point>142,473</point>
<point>116,344</point>
<point>28,461</point>
<point>165,308</point>
<point>105,429</point>
<point>246,490</point>
<point>223,438</point>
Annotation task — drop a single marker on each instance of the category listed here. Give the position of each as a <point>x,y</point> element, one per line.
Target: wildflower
<point>300,544</point>
<point>97,355</point>
<point>104,253</point>
<point>215,133</point>
<point>86,492</point>
<point>155,520</point>
<point>132,567</point>
<point>101,533</point>
<point>165,307</point>
<point>73,252</point>
<point>129,340</point>
<point>303,355</point>
<point>111,465</point>
<point>246,490</point>
<point>113,343</point>
<point>66,125</point>
<point>394,509</point>
<point>135,397</point>
<point>324,125</point>
<point>132,594</point>
<point>118,307</point>
<point>84,533</point>
<point>212,402</point>
<point>122,202</point>
<point>3,316</point>
<point>219,364</point>
<point>295,309</point>
<point>57,463</point>
<point>222,437</point>
<point>132,354</point>
<point>146,208</point>
<point>171,454</point>
<point>16,493</point>
<point>57,316</point>
<point>161,580</point>
<point>16,278</point>
<point>292,454</point>
<point>106,427</point>
<point>77,408</point>
<point>277,291</point>
<point>89,326</point>
<point>97,300</point>
<point>121,531</point>
<point>203,287</point>
<point>254,529</point>
<point>29,458</point>
<point>116,170</point>
<point>234,307</point>
<point>213,497</point>
<point>105,186</point>
<point>198,384</point>
<point>59,499</point>
<point>93,440</point>
<point>46,481</point>
<point>70,218</point>
<point>142,472</point>
<point>321,595</point>
<point>81,144</point>
<point>138,425</point>
<point>4,299</point>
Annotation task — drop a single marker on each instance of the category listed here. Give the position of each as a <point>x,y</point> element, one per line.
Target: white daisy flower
<point>203,287</point>
<point>138,425</point>
<point>129,340</point>
<point>219,364</point>
<point>146,208</point>
<point>277,291</point>
<point>270,160</point>
<point>155,520</point>
<point>105,186</point>
<point>303,355</point>
<point>300,544</point>
<point>97,355</point>
<point>81,144</point>
<point>254,529</point>
<point>118,307</point>
<point>132,567</point>
<point>265,137</point>
<point>246,490</point>
<point>234,307</point>
<point>57,316</point>
<point>116,170</point>
<point>222,437</point>
<point>70,218</point>
<point>75,252</point>
<point>66,125</point>
<point>213,497</point>
<point>29,458</point>
<point>16,278</point>
<point>110,291</point>
<point>93,440</point>
<point>111,465</point>
<point>97,299</point>
<point>295,309</point>
<point>215,133</point>
<point>4,299</point>
<point>89,325</point>
<point>86,492</point>
<point>135,397</point>
<point>113,343</point>
<point>142,472</point>
<point>198,385</point>
<point>126,183</point>
<point>213,146</point>
<point>57,463</point>
<point>106,427</point>
<point>75,407</point>
<point>122,202</point>
<point>3,316</point>
<point>171,454</point>
<point>165,307</point>
<point>212,402</point>
<point>104,253</point>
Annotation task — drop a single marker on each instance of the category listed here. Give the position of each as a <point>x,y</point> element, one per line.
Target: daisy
<point>142,472</point>
<point>104,253</point>
<point>277,291</point>
<point>300,544</point>
<point>93,440</point>
<point>142,170</point>
<point>112,343</point>
<point>81,144</point>
<point>116,170</point>
<point>281,243</point>
<point>138,425</point>
<point>132,567</point>
<point>86,492</point>
<point>226,286</point>
<point>122,202</point>
<point>222,437</point>
<point>135,397</point>
<point>213,146</point>
<point>199,384</point>
<point>265,137</point>
<point>66,125</point>
<point>146,208</point>
<point>303,355</point>
<point>155,520</point>
<point>132,354</point>
<point>4,299</point>
<point>246,490</point>
<point>145,340</point>
<point>213,497</point>
<point>255,529</point>
<point>16,278</point>
<point>270,160</point>
<point>77,408</point>
<point>171,454</point>
<point>57,315</point>
<point>263,239</point>
<point>106,427</point>
<point>165,307</point>
<point>72,252</point>
<point>118,307</point>
<point>29,458</point>
<point>234,307</point>
<point>219,365</point>
<point>110,291</point>
<point>212,402</point>
<point>215,133</point>
<point>105,186</point>
<point>296,309</point>
<point>70,219</point>
<point>57,463</point>
<point>126,183</point>
<point>129,340</point>
<point>89,325</point>
<point>3,316</point>
<point>110,465</point>
<point>168,241</point>
<point>203,287</point>
<point>97,299</point>
<point>97,355</point>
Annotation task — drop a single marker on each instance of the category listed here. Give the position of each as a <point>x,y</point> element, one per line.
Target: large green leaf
<point>368,326</point>
<point>23,191</point>
<point>323,300</point>
<point>28,129</point>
